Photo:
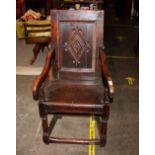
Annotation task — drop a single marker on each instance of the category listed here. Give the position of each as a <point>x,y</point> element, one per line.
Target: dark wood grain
<point>108,82</point>
<point>81,85</point>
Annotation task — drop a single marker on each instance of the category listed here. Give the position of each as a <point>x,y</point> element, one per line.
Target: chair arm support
<point>40,79</point>
<point>108,82</point>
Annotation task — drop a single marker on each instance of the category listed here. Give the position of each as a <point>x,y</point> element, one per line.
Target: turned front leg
<point>43,115</point>
<point>104,121</point>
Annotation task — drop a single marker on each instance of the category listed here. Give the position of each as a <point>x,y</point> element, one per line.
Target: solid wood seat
<point>73,92</point>
<point>76,61</point>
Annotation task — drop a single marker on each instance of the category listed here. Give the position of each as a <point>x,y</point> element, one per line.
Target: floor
<point>123,127</point>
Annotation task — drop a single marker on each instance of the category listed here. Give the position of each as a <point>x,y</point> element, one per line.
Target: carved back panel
<point>76,37</point>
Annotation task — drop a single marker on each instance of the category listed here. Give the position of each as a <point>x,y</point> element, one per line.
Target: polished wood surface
<point>81,83</point>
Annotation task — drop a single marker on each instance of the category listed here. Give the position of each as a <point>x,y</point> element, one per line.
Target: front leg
<point>36,51</point>
<point>103,127</point>
<point>43,115</point>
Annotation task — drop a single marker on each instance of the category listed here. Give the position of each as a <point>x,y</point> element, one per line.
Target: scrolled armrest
<point>40,79</point>
<point>108,82</point>
<point>110,88</point>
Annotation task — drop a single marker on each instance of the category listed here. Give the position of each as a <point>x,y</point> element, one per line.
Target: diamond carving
<point>77,45</point>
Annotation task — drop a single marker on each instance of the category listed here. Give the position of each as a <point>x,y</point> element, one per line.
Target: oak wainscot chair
<point>81,84</point>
